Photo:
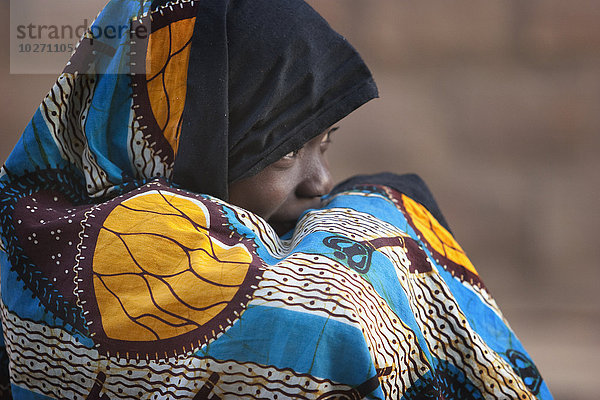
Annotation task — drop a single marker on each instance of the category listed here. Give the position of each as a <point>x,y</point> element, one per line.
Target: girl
<point>140,214</point>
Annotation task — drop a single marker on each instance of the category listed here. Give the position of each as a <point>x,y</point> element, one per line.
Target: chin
<point>282,227</point>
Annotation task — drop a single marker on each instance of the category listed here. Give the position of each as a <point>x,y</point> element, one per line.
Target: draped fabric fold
<point>202,160</point>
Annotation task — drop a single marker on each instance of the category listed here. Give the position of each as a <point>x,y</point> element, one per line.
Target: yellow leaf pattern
<point>157,273</point>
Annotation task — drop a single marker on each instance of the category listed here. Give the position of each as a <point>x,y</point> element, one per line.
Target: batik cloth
<point>162,293</point>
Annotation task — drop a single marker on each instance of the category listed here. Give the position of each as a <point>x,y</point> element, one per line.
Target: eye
<point>288,160</point>
<point>291,155</point>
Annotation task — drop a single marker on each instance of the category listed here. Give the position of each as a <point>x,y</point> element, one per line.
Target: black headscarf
<point>265,77</point>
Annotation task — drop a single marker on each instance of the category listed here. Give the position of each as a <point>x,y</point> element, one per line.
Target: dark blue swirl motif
<point>447,382</point>
<point>526,369</point>
<point>352,254</point>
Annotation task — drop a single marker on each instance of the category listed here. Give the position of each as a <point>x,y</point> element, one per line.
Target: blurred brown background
<point>496,104</point>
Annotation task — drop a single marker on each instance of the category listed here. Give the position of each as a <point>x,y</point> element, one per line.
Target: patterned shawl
<point>120,281</point>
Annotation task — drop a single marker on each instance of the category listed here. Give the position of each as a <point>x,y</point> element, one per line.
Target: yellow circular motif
<point>157,271</point>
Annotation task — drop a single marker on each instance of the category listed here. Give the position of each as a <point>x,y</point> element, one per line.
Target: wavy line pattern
<point>470,350</point>
<point>50,361</point>
<point>146,160</point>
<point>65,111</point>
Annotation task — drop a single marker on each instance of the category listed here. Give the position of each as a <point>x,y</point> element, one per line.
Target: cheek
<point>265,193</point>
<point>276,195</point>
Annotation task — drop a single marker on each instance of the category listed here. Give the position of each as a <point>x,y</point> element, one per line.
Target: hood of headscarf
<point>201,93</point>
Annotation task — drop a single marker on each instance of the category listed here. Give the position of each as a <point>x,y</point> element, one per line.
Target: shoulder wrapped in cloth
<point>121,281</point>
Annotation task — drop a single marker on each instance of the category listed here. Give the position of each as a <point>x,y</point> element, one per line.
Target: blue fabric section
<point>108,117</point>
<point>382,277</point>
<point>19,393</point>
<point>35,145</point>
<point>303,342</point>
<point>482,319</point>
<point>112,98</point>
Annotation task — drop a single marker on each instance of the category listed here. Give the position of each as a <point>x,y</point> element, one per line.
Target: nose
<point>317,181</point>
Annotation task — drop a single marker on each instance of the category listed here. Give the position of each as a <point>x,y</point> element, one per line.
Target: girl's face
<point>281,192</point>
